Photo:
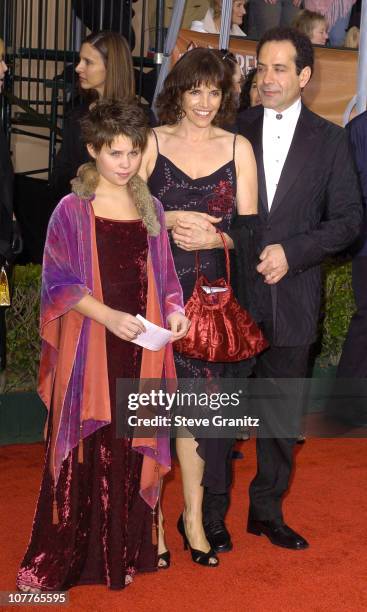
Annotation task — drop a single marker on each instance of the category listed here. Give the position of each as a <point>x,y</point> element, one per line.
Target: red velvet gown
<point>105,529</point>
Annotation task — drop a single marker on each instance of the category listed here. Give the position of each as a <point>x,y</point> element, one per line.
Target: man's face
<point>278,83</point>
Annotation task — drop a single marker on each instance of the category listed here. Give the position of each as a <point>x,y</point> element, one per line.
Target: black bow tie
<point>279,116</point>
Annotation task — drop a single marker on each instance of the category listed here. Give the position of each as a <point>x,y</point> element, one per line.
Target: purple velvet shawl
<point>68,276</point>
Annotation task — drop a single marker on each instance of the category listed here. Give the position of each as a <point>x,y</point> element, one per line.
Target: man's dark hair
<point>301,43</point>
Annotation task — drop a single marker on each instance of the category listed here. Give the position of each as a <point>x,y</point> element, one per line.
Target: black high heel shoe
<point>198,556</point>
<point>166,558</point>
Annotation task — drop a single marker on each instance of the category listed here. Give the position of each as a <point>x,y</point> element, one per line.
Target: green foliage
<point>22,319</point>
<point>338,308</point>
<point>23,340</point>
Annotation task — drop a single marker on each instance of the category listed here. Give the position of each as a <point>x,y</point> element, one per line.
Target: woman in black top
<point>105,70</point>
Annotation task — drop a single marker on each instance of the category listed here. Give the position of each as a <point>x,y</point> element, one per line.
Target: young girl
<point>107,258</point>
<point>313,24</point>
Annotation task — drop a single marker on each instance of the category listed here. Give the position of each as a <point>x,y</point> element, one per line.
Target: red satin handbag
<point>221,330</point>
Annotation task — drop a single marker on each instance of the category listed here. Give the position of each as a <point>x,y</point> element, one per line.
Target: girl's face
<point>117,163</point>
<point>238,12</point>
<point>3,68</point>
<point>201,104</point>
<point>319,33</point>
<point>254,93</point>
<point>91,69</point>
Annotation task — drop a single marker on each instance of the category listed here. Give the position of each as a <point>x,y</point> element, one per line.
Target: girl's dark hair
<point>116,55</point>
<point>108,119</point>
<point>245,100</point>
<point>197,67</point>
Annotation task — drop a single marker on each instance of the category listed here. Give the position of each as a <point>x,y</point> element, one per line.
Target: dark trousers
<point>275,455</point>
<point>353,361</point>
<point>217,495</point>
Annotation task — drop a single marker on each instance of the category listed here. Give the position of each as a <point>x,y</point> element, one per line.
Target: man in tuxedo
<point>309,208</point>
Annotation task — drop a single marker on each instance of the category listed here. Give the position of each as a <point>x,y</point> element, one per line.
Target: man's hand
<point>273,264</point>
<point>178,324</point>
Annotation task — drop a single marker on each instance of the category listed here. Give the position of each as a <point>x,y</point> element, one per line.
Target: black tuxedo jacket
<point>6,198</point>
<point>316,211</point>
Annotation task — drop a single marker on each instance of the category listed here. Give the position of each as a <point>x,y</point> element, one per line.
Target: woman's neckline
<point>117,220</point>
<point>199,178</point>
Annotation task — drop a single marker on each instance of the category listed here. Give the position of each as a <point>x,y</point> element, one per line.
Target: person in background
<point>250,94</point>
<point>10,239</point>
<point>337,14</point>
<point>237,76</point>
<point>211,22</point>
<point>266,14</point>
<point>312,24</point>
<point>95,521</point>
<point>351,40</point>
<point>105,70</point>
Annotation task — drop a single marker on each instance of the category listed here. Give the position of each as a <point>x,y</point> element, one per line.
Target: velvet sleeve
<point>63,275</point>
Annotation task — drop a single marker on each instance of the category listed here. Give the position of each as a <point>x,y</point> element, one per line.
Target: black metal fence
<point>42,39</point>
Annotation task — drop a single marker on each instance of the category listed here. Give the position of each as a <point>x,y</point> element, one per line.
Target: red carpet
<point>328,505</point>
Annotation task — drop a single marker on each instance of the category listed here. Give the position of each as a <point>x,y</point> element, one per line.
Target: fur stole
<point>85,184</point>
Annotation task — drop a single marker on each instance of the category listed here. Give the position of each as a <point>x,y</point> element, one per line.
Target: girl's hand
<point>178,324</point>
<point>124,325</point>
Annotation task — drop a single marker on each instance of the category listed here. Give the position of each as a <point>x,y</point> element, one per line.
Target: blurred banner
<point>333,82</point>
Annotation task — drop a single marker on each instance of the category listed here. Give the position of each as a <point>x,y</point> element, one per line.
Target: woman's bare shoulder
<point>243,145</point>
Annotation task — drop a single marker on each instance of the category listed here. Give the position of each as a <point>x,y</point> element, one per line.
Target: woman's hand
<point>192,237</point>
<point>178,324</point>
<point>203,220</point>
<point>123,325</point>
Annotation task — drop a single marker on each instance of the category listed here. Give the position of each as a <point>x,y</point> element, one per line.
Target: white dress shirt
<point>277,137</point>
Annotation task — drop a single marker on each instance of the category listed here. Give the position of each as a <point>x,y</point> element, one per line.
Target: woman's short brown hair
<point>108,119</point>
<point>2,47</point>
<point>116,55</point>
<point>197,67</point>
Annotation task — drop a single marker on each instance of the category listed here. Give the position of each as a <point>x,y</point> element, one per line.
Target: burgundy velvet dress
<point>105,531</point>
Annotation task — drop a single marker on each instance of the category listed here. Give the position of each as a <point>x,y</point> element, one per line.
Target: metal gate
<point>42,39</point>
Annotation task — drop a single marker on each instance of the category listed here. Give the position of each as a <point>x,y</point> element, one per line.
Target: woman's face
<point>117,163</point>
<point>237,79</point>
<point>3,68</point>
<point>91,69</point>
<point>319,33</point>
<point>201,104</point>
<point>238,12</point>
<point>254,93</point>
